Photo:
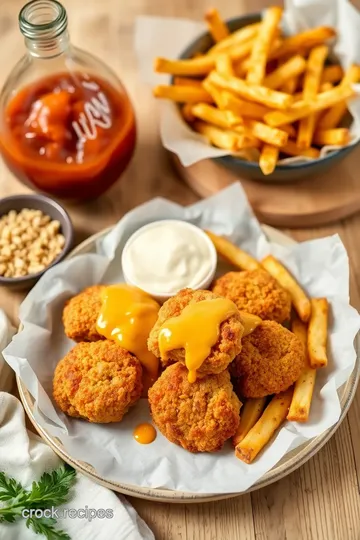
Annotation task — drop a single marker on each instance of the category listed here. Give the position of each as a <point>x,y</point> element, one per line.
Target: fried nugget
<point>271,360</point>
<point>80,314</point>
<point>198,416</point>
<point>223,352</point>
<point>255,292</point>
<point>97,381</point>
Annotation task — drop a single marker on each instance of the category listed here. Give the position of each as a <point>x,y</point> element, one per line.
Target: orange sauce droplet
<point>196,330</point>
<point>144,433</point>
<point>127,315</point>
<point>249,322</point>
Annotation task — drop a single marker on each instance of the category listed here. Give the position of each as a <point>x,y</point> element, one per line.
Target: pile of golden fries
<point>260,419</point>
<point>262,95</point>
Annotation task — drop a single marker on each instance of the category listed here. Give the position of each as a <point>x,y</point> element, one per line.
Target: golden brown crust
<point>255,292</point>
<point>227,347</point>
<point>80,315</point>
<point>198,416</point>
<point>97,381</point>
<point>271,360</point>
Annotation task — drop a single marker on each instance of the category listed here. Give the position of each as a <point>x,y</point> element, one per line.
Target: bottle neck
<point>48,48</point>
<point>43,24</point>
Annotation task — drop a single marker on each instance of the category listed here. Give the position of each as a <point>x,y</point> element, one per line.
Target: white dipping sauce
<point>167,256</point>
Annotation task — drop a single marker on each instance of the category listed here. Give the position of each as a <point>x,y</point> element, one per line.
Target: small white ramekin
<point>161,297</point>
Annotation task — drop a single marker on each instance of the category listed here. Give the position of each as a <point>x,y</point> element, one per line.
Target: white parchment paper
<point>322,268</point>
<point>160,36</point>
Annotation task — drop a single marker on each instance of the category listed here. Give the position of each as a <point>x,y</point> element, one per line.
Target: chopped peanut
<point>29,242</point>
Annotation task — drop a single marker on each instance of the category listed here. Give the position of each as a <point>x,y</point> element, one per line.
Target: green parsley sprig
<point>50,491</point>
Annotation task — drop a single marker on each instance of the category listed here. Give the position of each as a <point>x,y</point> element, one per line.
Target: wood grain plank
<point>351,237</point>
<point>318,501</point>
<point>222,520</point>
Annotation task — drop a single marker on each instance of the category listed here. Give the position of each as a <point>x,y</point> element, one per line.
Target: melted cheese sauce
<point>196,330</point>
<point>144,433</point>
<point>127,315</point>
<point>249,322</point>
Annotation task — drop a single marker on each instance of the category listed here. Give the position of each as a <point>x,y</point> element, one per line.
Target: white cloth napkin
<point>6,373</point>
<point>25,457</point>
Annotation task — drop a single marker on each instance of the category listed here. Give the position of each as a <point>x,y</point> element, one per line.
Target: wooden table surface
<point>321,500</point>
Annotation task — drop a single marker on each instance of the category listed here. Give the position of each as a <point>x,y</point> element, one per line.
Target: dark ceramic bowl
<point>55,211</point>
<point>248,169</point>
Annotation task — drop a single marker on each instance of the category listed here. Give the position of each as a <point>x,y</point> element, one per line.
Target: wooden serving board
<point>311,202</point>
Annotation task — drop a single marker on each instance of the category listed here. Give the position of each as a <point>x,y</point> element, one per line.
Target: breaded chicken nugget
<point>271,360</point>
<point>97,381</point>
<point>80,314</point>
<point>198,416</point>
<point>256,292</point>
<point>224,351</point>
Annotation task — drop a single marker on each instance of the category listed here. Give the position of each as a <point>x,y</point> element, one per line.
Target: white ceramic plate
<point>289,463</point>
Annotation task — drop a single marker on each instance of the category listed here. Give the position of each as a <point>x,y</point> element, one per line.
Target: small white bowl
<point>161,297</point>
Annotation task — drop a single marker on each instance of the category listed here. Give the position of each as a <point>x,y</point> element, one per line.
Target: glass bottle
<point>67,126</point>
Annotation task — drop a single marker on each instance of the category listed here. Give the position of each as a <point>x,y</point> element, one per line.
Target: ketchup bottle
<point>67,126</point>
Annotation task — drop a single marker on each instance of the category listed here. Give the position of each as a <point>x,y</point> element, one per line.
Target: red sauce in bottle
<point>69,134</point>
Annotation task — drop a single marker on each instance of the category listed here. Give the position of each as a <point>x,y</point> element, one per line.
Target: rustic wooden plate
<point>288,464</point>
<point>309,202</point>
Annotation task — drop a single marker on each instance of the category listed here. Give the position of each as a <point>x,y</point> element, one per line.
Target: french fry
<point>228,140</point>
<point>332,137</point>
<point>215,93</point>
<point>305,40</point>
<point>332,74</point>
<point>239,51</point>
<point>240,69</point>
<point>273,136</point>
<point>262,44</point>
<point>223,65</point>
<point>333,117</point>
<point>289,129</point>
<point>259,94</point>
<point>290,85</point>
<point>317,333</point>
<point>246,109</point>
<point>268,158</point>
<point>247,141</point>
<point>187,81</point>
<point>291,149</point>
<point>243,108</point>
<point>324,87</point>
<point>304,387</point>
<point>201,65</point>
<point>216,25</point>
<point>194,66</point>
<point>250,414</point>
<point>232,253</point>
<point>312,81</point>
<point>212,115</point>
<point>299,298</point>
<point>186,113</point>
<point>248,154</point>
<point>300,109</point>
<point>290,69</point>
<point>259,435</point>
<point>182,94</point>
<point>242,35</point>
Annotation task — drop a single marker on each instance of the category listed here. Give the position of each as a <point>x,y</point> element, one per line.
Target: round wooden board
<point>312,202</point>
<point>289,463</point>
